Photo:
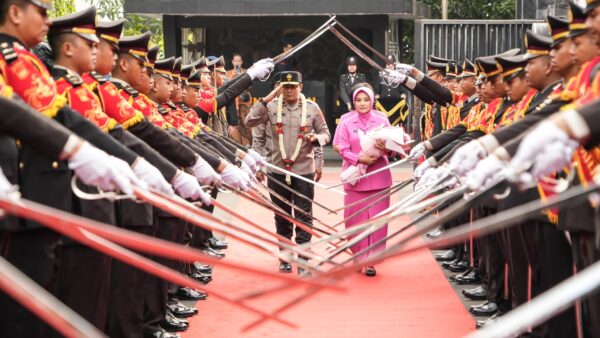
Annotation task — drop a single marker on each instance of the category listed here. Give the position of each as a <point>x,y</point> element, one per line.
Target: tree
<point>62,7</point>
<point>474,9</point>
<point>134,24</point>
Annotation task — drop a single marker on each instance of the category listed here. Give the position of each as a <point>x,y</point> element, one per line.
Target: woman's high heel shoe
<point>370,271</point>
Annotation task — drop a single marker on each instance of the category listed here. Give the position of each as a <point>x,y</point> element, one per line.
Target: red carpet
<point>409,297</point>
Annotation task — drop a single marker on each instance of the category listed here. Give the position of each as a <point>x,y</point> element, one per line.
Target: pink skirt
<point>353,196</point>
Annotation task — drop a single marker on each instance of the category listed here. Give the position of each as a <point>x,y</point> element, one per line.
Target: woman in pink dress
<point>347,141</point>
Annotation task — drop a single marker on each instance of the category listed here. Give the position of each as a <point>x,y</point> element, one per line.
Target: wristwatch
<point>263,102</point>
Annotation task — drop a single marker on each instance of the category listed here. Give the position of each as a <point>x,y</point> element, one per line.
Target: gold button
<point>54,164</point>
<point>21,165</point>
<point>18,142</point>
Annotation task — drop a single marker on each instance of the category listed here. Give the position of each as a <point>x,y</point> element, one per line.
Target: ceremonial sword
<point>543,307</point>
<point>281,185</point>
<point>479,228</point>
<point>44,305</point>
<point>382,192</point>
<point>302,178</point>
<point>499,221</point>
<point>312,291</point>
<point>454,236</point>
<point>182,209</point>
<point>71,226</point>
<point>389,166</point>
<point>314,35</point>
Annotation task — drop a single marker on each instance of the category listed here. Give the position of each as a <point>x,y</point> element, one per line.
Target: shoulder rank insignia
<point>130,90</point>
<point>163,110</point>
<point>98,77</point>
<point>73,80</point>
<point>172,106</point>
<point>183,106</point>
<point>8,52</point>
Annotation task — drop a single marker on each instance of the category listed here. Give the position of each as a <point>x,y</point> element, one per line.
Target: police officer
<point>394,101</point>
<point>295,126</point>
<point>347,81</point>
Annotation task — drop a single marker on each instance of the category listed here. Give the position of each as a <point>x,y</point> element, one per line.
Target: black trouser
<point>493,265</point>
<point>127,295</point>
<point>33,252</point>
<point>554,266</point>
<point>586,253</point>
<point>84,282</point>
<point>155,308</point>
<point>128,284</point>
<point>518,265</point>
<point>492,260</point>
<point>200,236</point>
<point>285,228</point>
<point>84,273</point>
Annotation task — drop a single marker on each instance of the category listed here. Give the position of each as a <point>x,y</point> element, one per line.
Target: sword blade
<point>544,306</point>
<point>361,41</point>
<point>383,192</point>
<point>400,231</point>
<point>287,244</point>
<point>282,185</point>
<point>52,219</point>
<point>313,36</point>
<point>205,220</point>
<point>317,184</point>
<point>43,304</point>
<point>367,207</point>
<point>59,220</point>
<point>356,49</point>
<point>374,172</point>
<point>505,219</point>
<point>296,193</point>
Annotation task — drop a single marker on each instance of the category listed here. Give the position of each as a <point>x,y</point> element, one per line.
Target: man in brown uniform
<point>287,115</point>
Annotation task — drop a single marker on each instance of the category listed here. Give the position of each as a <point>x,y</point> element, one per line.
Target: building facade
<point>259,29</point>
<point>539,9</point>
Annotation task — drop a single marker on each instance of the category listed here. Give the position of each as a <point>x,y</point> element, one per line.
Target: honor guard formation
<point>115,157</point>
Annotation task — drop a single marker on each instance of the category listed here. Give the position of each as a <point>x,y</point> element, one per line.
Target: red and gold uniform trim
<point>113,103</point>
<point>30,79</point>
<point>83,100</point>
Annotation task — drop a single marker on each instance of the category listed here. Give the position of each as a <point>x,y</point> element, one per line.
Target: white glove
<point>466,157</point>
<point>426,179</point>
<point>421,168</point>
<point>96,168</point>
<point>431,176</point>
<point>417,151</point>
<point>261,69</point>
<point>404,68</point>
<point>205,173</point>
<point>260,160</point>
<point>484,173</point>
<point>246,169</point>
<point>534,142</point>
<point>5,186</point>
<point>187,186</point>
<point>395,77</point>
<point>149,174</point>
<point>235,178</point>
<point>553,157</point>
<point>250,162</point>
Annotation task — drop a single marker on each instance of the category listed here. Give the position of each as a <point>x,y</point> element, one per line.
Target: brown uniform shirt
<point>307,161</point>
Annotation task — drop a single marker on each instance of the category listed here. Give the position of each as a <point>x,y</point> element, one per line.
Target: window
<point>193,43</point>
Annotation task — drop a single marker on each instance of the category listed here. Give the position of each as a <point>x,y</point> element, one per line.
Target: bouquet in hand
<point>376,143</point>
